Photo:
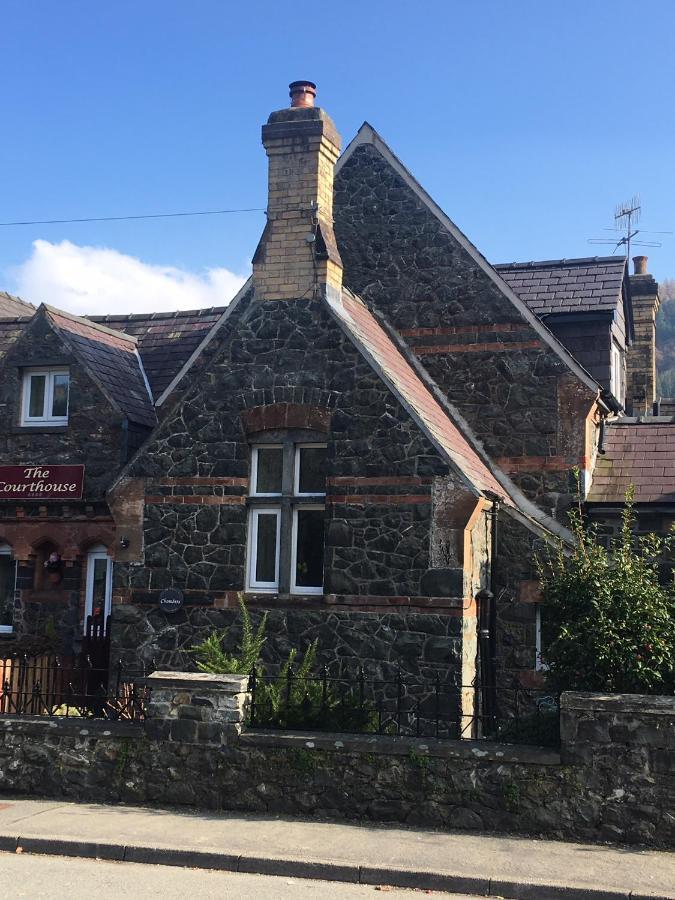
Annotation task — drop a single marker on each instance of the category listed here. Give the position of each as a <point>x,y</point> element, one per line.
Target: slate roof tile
<point>567,285</point>
<point>113,358</point>
<point>637,453</point>
<point>165,340</point>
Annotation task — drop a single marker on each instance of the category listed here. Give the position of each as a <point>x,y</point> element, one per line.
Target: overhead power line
<point>174,215</point>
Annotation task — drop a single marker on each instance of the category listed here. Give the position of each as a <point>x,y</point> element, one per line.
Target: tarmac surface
<point>470,863</point>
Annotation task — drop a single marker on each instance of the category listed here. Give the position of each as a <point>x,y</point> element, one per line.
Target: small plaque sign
<point>170,600</point>
<point>41,482</point>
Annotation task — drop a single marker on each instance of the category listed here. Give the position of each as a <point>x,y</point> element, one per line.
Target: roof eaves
<point>367,135</point>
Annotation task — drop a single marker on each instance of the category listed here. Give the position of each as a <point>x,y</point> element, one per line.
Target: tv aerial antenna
<point>626,217</point>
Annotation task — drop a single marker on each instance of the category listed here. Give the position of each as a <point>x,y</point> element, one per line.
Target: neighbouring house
<point>371,441</point>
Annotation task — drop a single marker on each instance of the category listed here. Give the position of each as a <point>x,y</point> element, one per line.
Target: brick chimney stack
<point>641,356</point>
<point>297,256</point>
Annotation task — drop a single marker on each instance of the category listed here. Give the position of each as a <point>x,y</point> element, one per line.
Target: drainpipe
<point>487,626</point>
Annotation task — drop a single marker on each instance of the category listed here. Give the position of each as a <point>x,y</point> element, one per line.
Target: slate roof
<point>367,333</point>
<point>113,359</point>
<point>10,329</point>
<point>567,285</point>
<point>165,340</point>
<point>14,306</point>
<point>638,453</point>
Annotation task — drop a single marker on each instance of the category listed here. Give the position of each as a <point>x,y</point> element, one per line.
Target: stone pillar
<point>196,707</point>
<point>297,255</point>
<point>641,355</point>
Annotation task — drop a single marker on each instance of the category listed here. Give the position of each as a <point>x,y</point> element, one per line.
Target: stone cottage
<point>370,441</point>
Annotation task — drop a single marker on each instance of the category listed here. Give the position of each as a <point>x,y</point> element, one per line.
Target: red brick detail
<point>196,499</point>
<point>347,481</point>
<point>537,463</point>
<point>491,346</point>
<point>529,592</point>
<point>378,499</point>
<point>496,327</point>
<point>286,415</point>
<point>225,481</point>
<point>532,679</point>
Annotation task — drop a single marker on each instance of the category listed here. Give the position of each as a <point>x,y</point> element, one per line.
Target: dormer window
<point>45,397</point>
<point>617,378</point>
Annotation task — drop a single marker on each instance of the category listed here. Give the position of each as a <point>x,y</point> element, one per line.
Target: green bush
<point>609,625</point>
<point>295,698</point>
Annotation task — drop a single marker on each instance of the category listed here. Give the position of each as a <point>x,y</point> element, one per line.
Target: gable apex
<point>367,135</point>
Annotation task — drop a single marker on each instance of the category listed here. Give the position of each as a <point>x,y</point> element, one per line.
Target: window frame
<point>262,587</point>
<point>304,445</point>
<point>285,503</point>
<point>99,551</point>
<point>47,404</point>
<point>616,371</point>
<point>295,588</point>
<point>6,550</point>
<point>254,470</point>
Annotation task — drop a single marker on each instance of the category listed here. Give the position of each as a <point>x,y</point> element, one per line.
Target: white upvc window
<point>7,589</point>
<point>616,373</point>
<point>286,518</point>
<point>45,397</point>
<point>539,665</point>
<point>98,590</point>
<point>263,548</point>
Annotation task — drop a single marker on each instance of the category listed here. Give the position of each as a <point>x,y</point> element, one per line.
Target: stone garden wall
<point>613,780</point>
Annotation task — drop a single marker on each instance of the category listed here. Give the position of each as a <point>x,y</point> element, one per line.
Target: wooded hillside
<point>665,340</point>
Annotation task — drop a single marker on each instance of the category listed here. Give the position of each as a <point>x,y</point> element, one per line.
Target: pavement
<point>469,863</point>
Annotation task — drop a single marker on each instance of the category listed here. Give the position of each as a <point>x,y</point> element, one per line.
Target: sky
<point>528,121</point>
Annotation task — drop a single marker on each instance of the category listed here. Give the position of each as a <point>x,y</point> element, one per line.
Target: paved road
<point>58,878</point>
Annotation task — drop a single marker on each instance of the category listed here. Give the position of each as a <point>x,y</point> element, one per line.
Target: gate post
<point>196,707</point>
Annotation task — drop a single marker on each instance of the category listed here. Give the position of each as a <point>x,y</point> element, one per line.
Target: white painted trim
<point>97,552</point>
<point>267,587</point>
<point>254,492</point>
<point>367,135</point>
<point>46,419</point>
<point>196,353</point>
<point>296,470</point>
<point>300,589</point>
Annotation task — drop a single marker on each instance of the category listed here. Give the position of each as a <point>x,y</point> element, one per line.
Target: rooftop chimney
<point>297,256</point>
<point>640,265</point>
<point>641,355</point>
<point>302,93</point>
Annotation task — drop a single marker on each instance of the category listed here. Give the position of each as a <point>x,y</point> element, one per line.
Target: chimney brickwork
<point>297,255</point>
<point>641,355</point>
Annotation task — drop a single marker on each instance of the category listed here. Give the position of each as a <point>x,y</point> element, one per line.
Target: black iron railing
<point>402,706</point>
<point>51,685</point>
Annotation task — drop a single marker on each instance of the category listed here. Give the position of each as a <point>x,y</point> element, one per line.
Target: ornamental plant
<point>609,624</point>
<point>295,697</point>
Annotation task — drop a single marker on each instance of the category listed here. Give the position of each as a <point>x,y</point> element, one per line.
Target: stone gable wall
<point>490,363</point>
<point>291,353</point>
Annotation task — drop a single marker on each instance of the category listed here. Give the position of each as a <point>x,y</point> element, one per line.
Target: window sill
<point>39,429</point>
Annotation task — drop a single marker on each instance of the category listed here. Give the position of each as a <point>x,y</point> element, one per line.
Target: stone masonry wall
<point>422,645</point>
<point>491,364</point>
<point>615,780</point>
<point>381,468</point>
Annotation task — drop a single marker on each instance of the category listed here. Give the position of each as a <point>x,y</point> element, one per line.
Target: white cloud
<point>98,280</point>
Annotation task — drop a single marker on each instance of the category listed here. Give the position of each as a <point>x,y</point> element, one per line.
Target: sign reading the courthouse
<point>41,482</point>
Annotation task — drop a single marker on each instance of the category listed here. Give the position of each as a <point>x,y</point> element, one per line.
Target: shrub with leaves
<point>609,624</point>
<point>211,657</point>
<point>295,698</point>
